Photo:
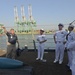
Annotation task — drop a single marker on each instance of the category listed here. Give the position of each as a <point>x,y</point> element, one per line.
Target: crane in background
<point>17,21</point>
<point>31,19</point>
<point>23,20</point>
<point>24,25</point>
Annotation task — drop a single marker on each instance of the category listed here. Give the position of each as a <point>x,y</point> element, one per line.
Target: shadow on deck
<point>41,68</point>
<point>48,68</point>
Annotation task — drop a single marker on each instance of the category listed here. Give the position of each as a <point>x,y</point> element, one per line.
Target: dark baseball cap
<point>61,25</point>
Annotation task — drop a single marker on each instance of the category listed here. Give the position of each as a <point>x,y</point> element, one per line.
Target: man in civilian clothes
<point>11,44</point>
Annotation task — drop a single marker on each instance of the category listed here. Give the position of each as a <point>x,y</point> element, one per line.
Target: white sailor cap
<point>42,29</point>
<point>72,26</point>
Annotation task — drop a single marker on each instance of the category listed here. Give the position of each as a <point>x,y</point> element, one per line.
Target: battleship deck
<point>40,68</point>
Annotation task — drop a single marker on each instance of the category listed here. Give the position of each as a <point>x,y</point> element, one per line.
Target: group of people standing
<point>63,40</point>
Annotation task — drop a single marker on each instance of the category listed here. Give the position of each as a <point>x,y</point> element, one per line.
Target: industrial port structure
<point>23,25</point>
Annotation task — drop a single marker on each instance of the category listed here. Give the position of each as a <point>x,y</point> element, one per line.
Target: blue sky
<point>45,12</point>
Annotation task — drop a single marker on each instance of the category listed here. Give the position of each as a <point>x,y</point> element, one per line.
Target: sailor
<point>71,47</point>
<point>59,39</point>
<point>70,38</point>
<point>41,43</point>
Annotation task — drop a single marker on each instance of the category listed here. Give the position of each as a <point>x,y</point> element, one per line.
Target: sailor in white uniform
<point>41,43</point>
<point>71,47</point>
<point>59,39</point>
<point>70,38</point>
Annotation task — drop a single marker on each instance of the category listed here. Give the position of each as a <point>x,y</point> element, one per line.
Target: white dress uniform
<point>60,46</point>
<point>71,38</point>
<point>71,46</point>
<point>41,46</point>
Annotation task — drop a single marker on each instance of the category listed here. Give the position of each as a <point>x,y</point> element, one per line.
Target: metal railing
<point>27,40</point>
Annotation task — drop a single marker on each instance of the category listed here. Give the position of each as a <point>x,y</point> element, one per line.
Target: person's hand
<point>0,34</point>
<point>68,50</point>
<point>41,42</point>
<point>3,27</point>
<point>38,40</point>
<point>18,46</point>
<point>55,41</point>
<point>64,42</point>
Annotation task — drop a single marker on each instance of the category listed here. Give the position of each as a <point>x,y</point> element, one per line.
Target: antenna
<point>73,22</point>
